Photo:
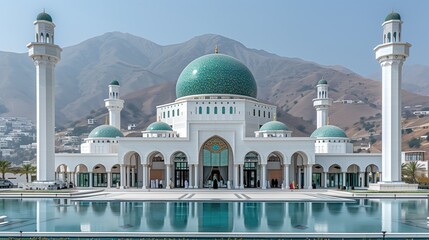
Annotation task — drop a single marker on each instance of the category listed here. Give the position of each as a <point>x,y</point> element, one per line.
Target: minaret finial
<point>216,49</point>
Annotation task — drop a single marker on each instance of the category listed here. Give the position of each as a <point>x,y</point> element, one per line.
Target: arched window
<point>231,111</point>
<point>42,39</point>
<point>399,37</point>
<point>172,113</point>
<point>264,113</point>
<point>384,39</point>
<point>254,112</point>
<point>168,114</point>
<point>200,110</point>
<point>208,110</point>
<point>259,113</point>
<point>37,37</point>
<point>269,114</point>
<point>47,37</point>
<point>215,110</point>
<point>163,115</point>
<point>388,37</point>
<point>177,112</point>
<point>223,110</point>
<point>394,37</point>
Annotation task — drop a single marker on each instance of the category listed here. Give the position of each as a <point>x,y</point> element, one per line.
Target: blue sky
<point>330,32</point>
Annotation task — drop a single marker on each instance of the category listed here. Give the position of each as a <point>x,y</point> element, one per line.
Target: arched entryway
<point>372,174</point>
<point>352,176</point>
<point>116,176</point>
<point>82,176</point>
<point>131,170</point>
<point>301,174</point>
<point>274,169</point>
<point>215,156</point>
<point>157,170</point>
<point>62,173</point>
<point>99,176</point>
<point>250,170</point>
<point>181,170</point>
<point>335,176</point>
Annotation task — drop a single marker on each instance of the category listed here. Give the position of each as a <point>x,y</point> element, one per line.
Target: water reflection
<point>362,215</point>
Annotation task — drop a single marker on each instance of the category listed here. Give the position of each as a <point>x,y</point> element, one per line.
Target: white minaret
<point>322,103</point>
<point>45,55</point>
<point>114,105</point>
<point>391,56</point>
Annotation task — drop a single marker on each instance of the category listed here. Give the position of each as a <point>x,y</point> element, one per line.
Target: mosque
<point>216,134</point>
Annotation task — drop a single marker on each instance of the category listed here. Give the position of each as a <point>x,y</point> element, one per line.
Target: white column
<point>236,183</point>
<point>122,170</point>
<point>344,178</point>
<point>286,176</point>
<point>241,176</point>
<point>325,184</point>
<point>168,177</point>
<point>144,176</point>
<point>191,167</point>
<point>109,179</point>
<point>309,176</point>
<point>264,176</point>
<point>90,180</point>
<point>133,177</point>
<point>127,176</point>
<point>196,176</point>
<point>75,179</point>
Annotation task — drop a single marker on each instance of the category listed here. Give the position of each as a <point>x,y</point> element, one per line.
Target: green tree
<point>4,167</point>
<point>414,143</point>
<point>27,169</point>
<point>411,171</point>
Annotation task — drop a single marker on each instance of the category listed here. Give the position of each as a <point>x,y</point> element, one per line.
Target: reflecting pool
<point>64,215</point>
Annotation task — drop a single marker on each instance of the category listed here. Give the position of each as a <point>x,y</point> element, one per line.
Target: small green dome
<point>216,74</point>
<point>329,131</point>
<point>392,16</point>
<point>274,126</point>
<point>114,82</point>
<point>44,16</point>
<point>159,126</point>
<point>322,81</point>
<point>105,131</point>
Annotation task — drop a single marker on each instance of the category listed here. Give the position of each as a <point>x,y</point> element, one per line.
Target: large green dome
<point>159,126</point>
<point>392,16</point>
<point>216,74</point>
<point>329,131</point>
<point>274,126</point>
<point>44,16</point>
<point>105,131</point>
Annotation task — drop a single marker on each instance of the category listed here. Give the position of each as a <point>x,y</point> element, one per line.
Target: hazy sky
<point>328,32</point>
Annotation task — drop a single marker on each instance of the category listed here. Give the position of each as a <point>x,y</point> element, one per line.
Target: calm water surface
<point>63,215</point>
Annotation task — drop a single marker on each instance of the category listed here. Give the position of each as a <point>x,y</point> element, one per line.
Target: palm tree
<point>4,167</point>
<point>411,170</point>
<point>27,169</point>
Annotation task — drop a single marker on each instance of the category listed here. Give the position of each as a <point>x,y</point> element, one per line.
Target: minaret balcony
<point>394,48</point>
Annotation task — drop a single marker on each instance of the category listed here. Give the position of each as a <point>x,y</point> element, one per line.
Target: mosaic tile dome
<point>44,16</point>
<point>329,131</point>
<point>322,81</point>
<point>274,126</point>
<point>392,16</point>
<point>159,126</point>
<point>216,74</point>
<point>105,131</point>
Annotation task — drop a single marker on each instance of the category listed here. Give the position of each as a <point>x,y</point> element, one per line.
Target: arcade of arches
<point>216,169</point>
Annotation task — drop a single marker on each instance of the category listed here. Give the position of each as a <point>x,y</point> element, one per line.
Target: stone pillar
<point>127,176</point>
<point>236,183</point>
<point>133,177</point>
<point>241,176</point>
<point>122,171</point>
<point>109,179</point>
<point>90,180</point>
<point>264,176</point>
<point>309,179</point>
<point>168,176</point>
<point>325,183</point>
<point>191,167</point>
<point>144,182</point>
<point>75,179</point>
<point>196,176</point>
<point>344,178</point>
<point>286,176</point>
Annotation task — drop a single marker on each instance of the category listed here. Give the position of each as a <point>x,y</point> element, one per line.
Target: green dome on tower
<point>274,126</point>
<point>114,82</point>
<point>329,131</point>
<point>216,74</point>
<point>392,16</point>
<point>105,131</point>
<point>44,16</point>
<point>322,81</point>
<point>159,126</point>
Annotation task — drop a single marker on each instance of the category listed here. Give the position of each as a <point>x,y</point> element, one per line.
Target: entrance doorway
<point>181,170</point>
<point>215,156</point>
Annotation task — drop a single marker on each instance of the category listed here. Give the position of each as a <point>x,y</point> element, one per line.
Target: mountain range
<point>147,73</point>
